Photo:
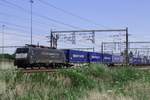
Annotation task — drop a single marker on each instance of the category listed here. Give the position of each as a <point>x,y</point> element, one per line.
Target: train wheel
<point>24,67</point>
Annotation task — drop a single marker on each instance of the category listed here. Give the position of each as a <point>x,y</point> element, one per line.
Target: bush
<point>123,75</point>
<point>78,79</point>
<point>73,84</point>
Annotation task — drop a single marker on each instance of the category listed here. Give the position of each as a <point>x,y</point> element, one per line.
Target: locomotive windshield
<point>22,50</point>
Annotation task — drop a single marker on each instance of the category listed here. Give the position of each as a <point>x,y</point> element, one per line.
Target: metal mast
<point>127,47</point>
<point>3,27</point>
<point>31,2</point>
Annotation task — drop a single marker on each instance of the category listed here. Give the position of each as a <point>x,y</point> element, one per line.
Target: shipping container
<point>117,59</point>
<point>135,61</point>
<point>107,59</point>
<point>94,57</point>
<point>74,56</point>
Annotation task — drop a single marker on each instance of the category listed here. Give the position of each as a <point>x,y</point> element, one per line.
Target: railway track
<point>50,70</point>
<point>36,70</point>
<point>143,67</point>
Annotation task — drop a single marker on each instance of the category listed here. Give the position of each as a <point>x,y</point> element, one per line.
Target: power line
<point>22,31</point>
<point>21,35</point>
<point>18,37</point>
<point>12,24</point>
<point>14,16</point>
<point>18,26</point>
<point>42,16</point>
<point>17,29</point>
<point>56,21</point>
<point>14,5</point>
<point>70,13</point>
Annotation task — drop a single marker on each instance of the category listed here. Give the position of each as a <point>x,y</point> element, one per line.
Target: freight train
<point>37,56</point>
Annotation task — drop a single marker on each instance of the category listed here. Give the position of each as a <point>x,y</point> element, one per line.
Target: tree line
<point>7,56</point>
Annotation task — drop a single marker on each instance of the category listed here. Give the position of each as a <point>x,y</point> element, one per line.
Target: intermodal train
<point>37,56</point>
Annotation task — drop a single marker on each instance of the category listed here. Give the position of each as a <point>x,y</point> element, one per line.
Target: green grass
<point>76,84</point>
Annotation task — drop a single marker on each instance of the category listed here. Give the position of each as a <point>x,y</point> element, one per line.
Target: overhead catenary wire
<point>14,16</point>
<point>11,31</point>
<point>72,14</point>
<point>12,24</point>
<point>16,25</point>
<point>23,35</point>
<point>20,37</point>
<point>41,16</point>
<point>25,10</point>
<point>15,29</point>
<point>21,31</point>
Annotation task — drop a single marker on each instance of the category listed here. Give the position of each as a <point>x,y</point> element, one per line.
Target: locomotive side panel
<point>46,56</point>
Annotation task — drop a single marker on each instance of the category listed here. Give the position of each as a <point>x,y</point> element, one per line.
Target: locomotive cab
<point>21,57</point>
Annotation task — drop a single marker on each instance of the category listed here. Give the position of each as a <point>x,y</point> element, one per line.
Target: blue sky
<point>133,14</point>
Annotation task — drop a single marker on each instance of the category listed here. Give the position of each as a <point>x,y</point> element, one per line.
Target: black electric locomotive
<point>30,56</point>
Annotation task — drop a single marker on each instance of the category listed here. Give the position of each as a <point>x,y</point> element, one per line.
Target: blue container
<point>136,61</point>
<point>94,57</point>
<point>117,59</point>
<point>74,56</point>
<point>107,58</point>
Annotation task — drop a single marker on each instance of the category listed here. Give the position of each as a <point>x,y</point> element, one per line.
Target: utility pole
<point>127,47</point>
<point>102,49</point>
<point>93,37</point>
<point>93,49</point>
<point>3,28</point>
<point>73,38</point>
<point>31,2</point>
<point>51,38</point>
<point>57,37</point>
<point>102,45</point>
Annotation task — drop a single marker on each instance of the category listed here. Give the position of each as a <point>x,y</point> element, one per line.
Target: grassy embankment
<point>94,82</point>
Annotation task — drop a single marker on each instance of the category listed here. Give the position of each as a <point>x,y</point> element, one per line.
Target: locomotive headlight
<point>21,55</point>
